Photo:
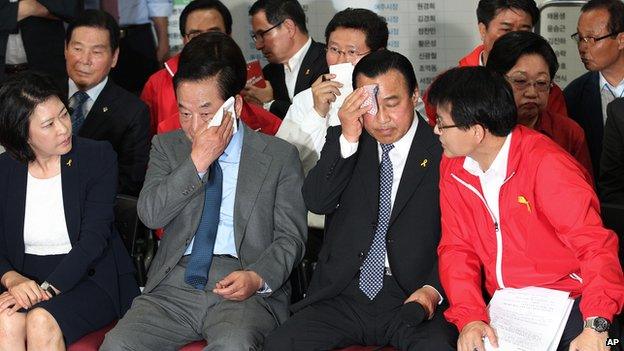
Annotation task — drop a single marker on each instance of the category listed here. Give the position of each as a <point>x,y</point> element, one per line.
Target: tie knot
<point>385,148</point>
<point>79,97</point>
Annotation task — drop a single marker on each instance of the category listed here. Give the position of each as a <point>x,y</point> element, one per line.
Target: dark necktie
<point>77,102</point>
<point>372,272</point>
<point>198,266</point>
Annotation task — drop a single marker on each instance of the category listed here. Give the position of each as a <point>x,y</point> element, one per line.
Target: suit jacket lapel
<point>368,172</point>
<point>99,112</point>
<point>305,71</point>
<point>70,179</point>
<point>16,207</point>
<point>416,166</point>
<point>252,171</point>
<point>594,111</point>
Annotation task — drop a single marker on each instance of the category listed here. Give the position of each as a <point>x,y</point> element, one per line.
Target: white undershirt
<point>45,230</point>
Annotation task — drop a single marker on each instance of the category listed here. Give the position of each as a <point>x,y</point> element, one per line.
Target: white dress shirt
<point>608,93</point>
<point>291,68</point>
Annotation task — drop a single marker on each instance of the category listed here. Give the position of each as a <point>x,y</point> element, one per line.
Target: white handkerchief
<point>343,72</point>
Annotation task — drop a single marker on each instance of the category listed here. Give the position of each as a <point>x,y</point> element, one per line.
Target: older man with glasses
<point>601,48</point>
<point>295,60</point>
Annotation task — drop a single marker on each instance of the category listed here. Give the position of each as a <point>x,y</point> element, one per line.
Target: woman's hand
<point>26,292</point>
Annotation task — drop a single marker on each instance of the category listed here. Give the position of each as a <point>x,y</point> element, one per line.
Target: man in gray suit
<point>230,201</point>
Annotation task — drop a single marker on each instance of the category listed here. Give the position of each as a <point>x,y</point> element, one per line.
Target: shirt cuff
<point>347,148</point>
<point>439,295</point>
<point>265,289</point>
<point>267,105</point>
<point>160,8</point>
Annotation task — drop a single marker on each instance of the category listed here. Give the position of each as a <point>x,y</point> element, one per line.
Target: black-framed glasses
<point>442,127</point>
<point>262,33</point>
<point>589,39</point>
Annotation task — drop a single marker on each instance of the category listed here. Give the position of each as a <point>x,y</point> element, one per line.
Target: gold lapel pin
<point>105,109</point>
<point>69,162</point>
<point>307,71</point>
<point>524,201</point>
<point>424,163</point>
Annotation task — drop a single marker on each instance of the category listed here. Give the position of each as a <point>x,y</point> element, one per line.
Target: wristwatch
<point>48,287</point>
<point>598,324</point>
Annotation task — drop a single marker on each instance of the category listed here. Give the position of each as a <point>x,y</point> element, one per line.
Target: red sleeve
<point>459,265</point>
<point>148,96</point>
<point>556,101</point>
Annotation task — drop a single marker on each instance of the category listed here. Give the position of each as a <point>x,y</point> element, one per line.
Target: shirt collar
<point>618,91</point>
<point>232,152</point>
<point>481,64</point>
<point>93,92</point>
<point>498,167</point>
<point>403,145</point>
<point>295,61</point>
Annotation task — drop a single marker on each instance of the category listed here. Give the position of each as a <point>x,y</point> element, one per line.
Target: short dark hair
<point>216,5</point>
<point>476,95</point>
<point>374,27</point>
<point>379,62</point>
<point>19,96</point>
<point>280,10</point>
<point>488,9</point>
<point>95,19</point>
<point>508,49</point>
<point>213,54</point>
<point>615,9</point>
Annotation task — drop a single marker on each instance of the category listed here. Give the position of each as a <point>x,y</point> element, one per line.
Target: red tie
<point>111,7</point>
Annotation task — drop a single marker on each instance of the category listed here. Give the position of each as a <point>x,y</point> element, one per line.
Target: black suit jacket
<point>584,104</point>
<point>612,161</point>
<point>44,39</point>
<point>312,66</point>
<point>123,120</point>
<point>89,174</point>
<point>348,191</point>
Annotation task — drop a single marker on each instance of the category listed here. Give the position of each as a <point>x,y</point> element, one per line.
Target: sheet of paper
<point>343,72</point>
<point>528,319</point>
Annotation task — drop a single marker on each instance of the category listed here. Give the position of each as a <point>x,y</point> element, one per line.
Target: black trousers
<point>137,58</point>
<point>352,319</point>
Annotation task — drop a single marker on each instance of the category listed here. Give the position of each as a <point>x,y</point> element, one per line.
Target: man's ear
<point>482,30</point>
<point>115,57</point>
<point>238,105</point>
<point>415,96</point>
<point>620,41</point>
<point>290,26</point>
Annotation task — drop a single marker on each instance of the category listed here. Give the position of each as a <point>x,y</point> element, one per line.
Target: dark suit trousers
<point>137,58</point>
<point>352,319</point>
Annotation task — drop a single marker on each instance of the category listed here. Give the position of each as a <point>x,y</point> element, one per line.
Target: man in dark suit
<point>34,32</point>
<point>295,60</point>
<point>611,180</point>
<point>376,281</point>
<point>600,37</point>
<point>101,110</point>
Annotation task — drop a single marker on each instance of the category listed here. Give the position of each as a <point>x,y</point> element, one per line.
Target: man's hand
<point>427,297</point>
<point>324,92</point>
<point>471,337</point>
<point>32,8</point>
<point>209,143</point>
<point>590,340</point>
<point>351,114</point>
<point>258,96</point>
<point>238,285</point>
<point>161,26</point>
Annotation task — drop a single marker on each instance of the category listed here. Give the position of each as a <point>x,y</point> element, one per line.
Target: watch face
<point>601,324</point>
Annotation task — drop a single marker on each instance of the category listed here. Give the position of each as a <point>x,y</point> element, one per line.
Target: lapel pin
<point>524,201</point>
<point>424,163</point>
<point>69,162</point>
<point>307,71</point>
<point>105,109</point>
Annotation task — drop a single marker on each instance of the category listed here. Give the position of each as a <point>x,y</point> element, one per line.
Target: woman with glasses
<point>529,64</point>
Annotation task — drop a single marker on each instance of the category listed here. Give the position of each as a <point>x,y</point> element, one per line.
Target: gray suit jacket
<point>269,213</point>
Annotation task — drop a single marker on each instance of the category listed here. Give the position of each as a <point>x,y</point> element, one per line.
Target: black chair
<point>139,240</point>
<point>613,218</point>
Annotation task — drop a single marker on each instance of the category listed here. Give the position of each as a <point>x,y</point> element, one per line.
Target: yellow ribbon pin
<point>424,163</point>
<point>524,201</point>
<point>69,162</point>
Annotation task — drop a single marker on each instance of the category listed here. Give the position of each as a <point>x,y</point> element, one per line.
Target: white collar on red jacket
<point>498,166</point>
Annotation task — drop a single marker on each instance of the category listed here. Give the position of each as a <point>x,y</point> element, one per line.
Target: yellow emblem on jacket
<point>524,201</point>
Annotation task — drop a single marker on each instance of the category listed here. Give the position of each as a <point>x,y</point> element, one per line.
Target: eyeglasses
<point>521,83</point>
<point>192,34</point>
<point>441,127</point>
<point>350,54</point>
<point>260,34</point>
<point>591,40</point>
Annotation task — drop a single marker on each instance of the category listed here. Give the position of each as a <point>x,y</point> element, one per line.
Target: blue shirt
<point>137,11</point>
<point>229,162</point>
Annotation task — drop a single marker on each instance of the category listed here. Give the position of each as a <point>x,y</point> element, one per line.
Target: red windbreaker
<point>550,233</point>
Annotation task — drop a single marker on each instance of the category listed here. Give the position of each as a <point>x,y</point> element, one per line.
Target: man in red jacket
<point>199,16</point>
<point>519,207</point>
